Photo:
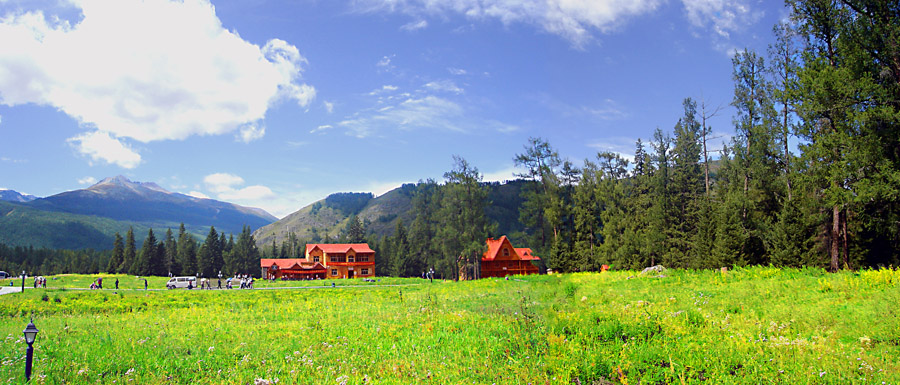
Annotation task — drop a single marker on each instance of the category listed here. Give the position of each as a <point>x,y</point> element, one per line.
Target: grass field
<point>755,325</point>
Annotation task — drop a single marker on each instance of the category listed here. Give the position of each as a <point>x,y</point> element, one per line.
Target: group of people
<point>40,282</point>
<point>98,284</point>
<point>245,280</point>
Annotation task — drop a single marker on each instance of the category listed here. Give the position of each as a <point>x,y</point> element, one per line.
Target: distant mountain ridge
<point>118,199</point>
<point>15,196</point>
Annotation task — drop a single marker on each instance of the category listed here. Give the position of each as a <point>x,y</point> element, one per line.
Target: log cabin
<point>502,259</point>
<point>324,260</point>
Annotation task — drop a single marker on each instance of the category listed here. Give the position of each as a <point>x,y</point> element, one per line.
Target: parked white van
<point>181,282</point>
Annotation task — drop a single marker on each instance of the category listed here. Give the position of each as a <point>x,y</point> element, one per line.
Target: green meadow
<point>754,325</point>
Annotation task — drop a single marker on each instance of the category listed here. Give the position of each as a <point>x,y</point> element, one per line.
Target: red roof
<point>333,248</point>
<point>526,254</point>
<point>290,263</point>
<point>495,245</point>
<point>282,263</point>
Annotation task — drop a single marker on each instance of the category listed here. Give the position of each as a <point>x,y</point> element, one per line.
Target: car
<point>4,275</point>
<point>181,282</point>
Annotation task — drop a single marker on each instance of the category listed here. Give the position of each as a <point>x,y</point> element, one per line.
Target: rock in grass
<point>654,269</point>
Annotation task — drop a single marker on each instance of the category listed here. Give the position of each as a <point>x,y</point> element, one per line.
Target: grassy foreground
<point>756,325</point>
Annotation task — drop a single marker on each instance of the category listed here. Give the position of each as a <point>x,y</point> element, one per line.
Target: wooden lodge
<point>343,260</point>
<point>502,259</point>
<point>291,269</point>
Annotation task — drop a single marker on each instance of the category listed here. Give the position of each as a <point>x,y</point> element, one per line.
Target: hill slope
<point>330,215</point>
<point>21,225</point>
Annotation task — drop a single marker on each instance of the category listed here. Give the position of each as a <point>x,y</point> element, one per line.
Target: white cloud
<point>322,128</point>
<point>228,187</point>
<point>251,193</point>
<point>456,71</point>
<point>723,18</point>
<point>607,110</point>
<point>145,70</point>
<point>415,25</point>
<point>384,89</point>
<point>624,146</point>
<point>250,132</point>
<point>222,182</point>
<point>197,194</point>
<point>427,112</point>
<point>101,146</point>
<point>88,180</point>
<point>380,188</point>
<point>329,106</point>
<point>385,64</point>
<point>501,175</point>
<point>444,86</point>
<point>502,128</point>
<point>573,20</point>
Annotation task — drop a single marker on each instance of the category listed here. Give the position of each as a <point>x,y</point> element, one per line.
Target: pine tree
<point>118,255</point>
<point>464,226</point>
<point>130,252</point>
<point>423,246</point>
<point>171,257</point>
<point>539,161</point>
<point>187,252</point>
<point>400,263</point>
<point>143,265</point>
<point>209,254</point>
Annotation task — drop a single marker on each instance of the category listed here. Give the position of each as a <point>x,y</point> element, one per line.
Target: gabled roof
<point>526,254</point>
<point>332,248</point>
<point>290,263</point>
<point>495,245</point>
<point>282,263</point>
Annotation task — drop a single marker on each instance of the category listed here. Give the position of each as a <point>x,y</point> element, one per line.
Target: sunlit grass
<point>756,325</point>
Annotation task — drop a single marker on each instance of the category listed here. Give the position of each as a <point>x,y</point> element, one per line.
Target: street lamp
<point>23,281</point>
<point>30,333</point>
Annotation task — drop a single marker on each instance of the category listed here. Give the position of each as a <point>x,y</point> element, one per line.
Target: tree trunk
<point>835,238</point>
<point>844,242</point>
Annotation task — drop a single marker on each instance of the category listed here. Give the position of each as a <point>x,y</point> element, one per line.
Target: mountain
<point>21,225</point>
<point>13,196</point>
<point>330,215</point>
<point>121,199</point>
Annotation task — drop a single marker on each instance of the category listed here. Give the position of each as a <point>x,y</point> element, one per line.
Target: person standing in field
<point>117,284</point>
<point>220,283</point>
<point>100,282</point>
<point>145,283</point>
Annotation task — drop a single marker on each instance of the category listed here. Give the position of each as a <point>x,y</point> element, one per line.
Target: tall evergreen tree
<point>171,256</point>
<point>423,245</point>
<point>539,162</point>
<point>130,252</point>
<point>143,265</point>
<point>464,226</point>
<point>118,255</point>
<point>209,255</point>
<point>187,252</point>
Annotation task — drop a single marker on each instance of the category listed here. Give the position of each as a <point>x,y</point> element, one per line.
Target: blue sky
<point>276,104</point>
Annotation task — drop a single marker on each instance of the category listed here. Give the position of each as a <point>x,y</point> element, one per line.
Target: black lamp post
<point>30,334</point>
<point>23,281</point>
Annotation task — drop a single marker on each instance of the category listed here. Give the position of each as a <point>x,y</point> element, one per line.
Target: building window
<point>334,272</point>
<point>316,259</point>
<point>505,252</point>
<point>350,258</point>
<point>362,258</point>
<point>337,258</point>
<point>364,272</point>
